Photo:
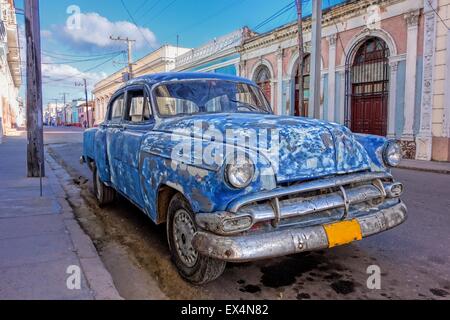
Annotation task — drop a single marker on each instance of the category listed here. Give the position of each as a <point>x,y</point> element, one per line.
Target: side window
<point>117,107</point>
<point>138,107</point>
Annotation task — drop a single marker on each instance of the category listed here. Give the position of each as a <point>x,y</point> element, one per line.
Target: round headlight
<point>240,173</point>
<point>392,154</point>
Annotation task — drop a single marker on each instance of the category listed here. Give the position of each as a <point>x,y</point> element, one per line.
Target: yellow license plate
<point>343,233</point>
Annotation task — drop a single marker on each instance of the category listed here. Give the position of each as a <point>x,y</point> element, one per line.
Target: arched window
<point>303,112</point>
<point>262,78</point>
<point>369,77</point>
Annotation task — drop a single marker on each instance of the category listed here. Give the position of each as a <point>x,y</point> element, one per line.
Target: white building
<point>160,60</point>
<point>10,74</point>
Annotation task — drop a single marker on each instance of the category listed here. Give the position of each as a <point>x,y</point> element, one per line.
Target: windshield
<point>209,96</point>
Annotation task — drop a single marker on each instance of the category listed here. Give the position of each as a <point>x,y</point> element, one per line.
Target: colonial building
<point>219,55</point>
<point>385,71</point>
<point>86,116</point>
<point>161,60</point>
<point>10,75</point>
<point>53,114</point>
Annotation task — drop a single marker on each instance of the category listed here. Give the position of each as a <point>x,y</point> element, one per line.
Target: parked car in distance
<point>204,154</point>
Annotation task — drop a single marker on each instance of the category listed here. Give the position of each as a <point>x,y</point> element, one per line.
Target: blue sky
<point>152,22</point>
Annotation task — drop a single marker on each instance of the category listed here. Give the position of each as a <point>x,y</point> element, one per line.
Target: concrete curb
<point>99,279</point>
<point>423,169</point>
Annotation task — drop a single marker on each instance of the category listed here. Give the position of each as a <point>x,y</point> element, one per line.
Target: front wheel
<point>181,228</point>
<point>104,194</point>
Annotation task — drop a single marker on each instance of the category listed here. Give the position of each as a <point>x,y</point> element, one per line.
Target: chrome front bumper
<point>289,241</point>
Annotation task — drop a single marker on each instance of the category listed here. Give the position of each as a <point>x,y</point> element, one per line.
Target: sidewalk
<point>40,239</point>
<point>429,166</point>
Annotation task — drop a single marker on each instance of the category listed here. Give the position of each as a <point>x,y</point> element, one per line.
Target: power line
<point>280,12</point>
<point>338,33</point>
<point>134,21</point>
<point>141,6</point>
<point>80,73</point>
<point>215,14</point>
<point>164,9</point>
<point>150,9</point>
<point>437,13</point>
<point>47,52</point>
<point>73,61</point>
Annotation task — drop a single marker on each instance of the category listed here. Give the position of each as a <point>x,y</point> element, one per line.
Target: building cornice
<point>332,16</point>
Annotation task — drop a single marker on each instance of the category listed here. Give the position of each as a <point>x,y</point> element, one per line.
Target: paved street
<point>414,258</point>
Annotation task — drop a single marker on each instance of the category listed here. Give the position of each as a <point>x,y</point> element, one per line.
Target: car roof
<point>176,76</point>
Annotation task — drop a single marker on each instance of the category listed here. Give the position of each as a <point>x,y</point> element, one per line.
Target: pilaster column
<point>332,77</point>
<point>392,99</point>
<point>242,69</point>
<point>280,81</point>
<point>424,139</point>
<point>412,20</point>
<point>342,95</point>
<point>446,132</point>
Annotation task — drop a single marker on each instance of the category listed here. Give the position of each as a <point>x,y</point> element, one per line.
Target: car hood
<point>307,148</point>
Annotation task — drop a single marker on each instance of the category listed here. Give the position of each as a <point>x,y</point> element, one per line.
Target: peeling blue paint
<point>139,160</point>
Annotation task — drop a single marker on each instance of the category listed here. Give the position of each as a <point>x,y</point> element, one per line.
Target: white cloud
<point>94,31</point>
<point>54,74</point>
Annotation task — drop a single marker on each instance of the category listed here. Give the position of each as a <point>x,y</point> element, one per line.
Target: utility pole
<point>301,58</point>
<point>87,100</point>
<point>130,53</point>
<point>316,55</point>
<point>35,129</point>
<point>64,94</point>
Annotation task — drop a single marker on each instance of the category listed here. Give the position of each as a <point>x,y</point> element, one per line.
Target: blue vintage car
<point>205,154</point>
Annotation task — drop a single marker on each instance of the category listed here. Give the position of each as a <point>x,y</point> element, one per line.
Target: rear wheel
<point>181,228</point>
<point>104,194</point>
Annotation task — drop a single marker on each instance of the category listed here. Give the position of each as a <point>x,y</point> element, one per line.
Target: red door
<point>266,89</point>
<point>370,88</point>
<point>369,115</point>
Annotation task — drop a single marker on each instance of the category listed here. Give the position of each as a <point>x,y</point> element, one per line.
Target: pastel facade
<point>384,71</point>
<point>217,56</point>
<point>10,75</point>
<point>161,60</point>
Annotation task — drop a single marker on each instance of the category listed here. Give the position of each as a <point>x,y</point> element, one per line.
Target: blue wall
<point>416,126</point>
<point>400,105</point>
<point>286,99</point>
<point>230,69</point>
<point>337,110</point>
<point>325,97</point>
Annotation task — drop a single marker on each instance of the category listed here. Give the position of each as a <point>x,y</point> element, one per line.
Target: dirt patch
<point>126,240</point>
<point>439,293</point>
<point>343,287</point>
<point>286,272</point>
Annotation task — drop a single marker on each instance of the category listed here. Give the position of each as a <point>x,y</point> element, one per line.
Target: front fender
<point>202,184</point>
<point>374,146</point>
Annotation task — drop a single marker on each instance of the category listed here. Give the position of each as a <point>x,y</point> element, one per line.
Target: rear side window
<point>138,107</point>
<point>117,108</point>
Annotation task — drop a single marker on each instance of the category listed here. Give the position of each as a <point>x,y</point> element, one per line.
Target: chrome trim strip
<point>290,241</point>
<point>301,207</point>
<point>306,187</point>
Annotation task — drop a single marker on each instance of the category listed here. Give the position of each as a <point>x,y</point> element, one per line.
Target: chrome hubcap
<point>183,231</point>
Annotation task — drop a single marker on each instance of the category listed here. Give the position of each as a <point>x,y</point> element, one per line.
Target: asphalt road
<point>414,258</point>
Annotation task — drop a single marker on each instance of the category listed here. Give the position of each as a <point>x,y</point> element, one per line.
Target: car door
<point>138,121</point>
<point>114,138</point>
